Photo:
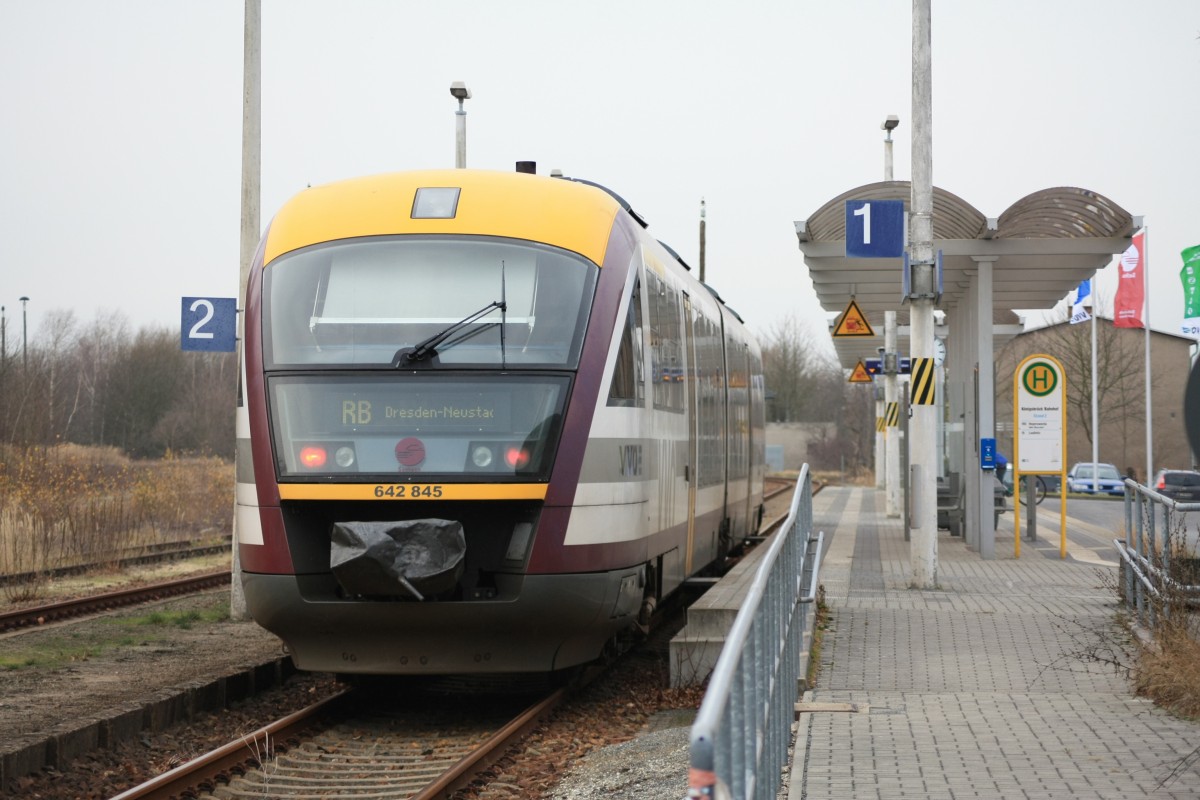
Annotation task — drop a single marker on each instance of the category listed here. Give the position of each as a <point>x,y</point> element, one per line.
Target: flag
<point>1127,308</point>
<point>1190,275</point>
<point>1084,293</point>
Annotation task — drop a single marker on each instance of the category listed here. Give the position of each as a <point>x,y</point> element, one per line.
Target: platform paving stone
<point>991,686</point>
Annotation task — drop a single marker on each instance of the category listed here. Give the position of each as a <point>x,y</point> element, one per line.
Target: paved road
<point>1092,524</point>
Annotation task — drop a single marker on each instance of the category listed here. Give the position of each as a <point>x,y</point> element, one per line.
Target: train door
<point>689,382</point>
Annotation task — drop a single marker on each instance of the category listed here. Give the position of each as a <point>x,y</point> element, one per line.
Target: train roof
<point>569,214</point>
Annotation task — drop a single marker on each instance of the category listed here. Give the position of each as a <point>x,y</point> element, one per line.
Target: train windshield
<point>376,301</point>
<point>446,426</point>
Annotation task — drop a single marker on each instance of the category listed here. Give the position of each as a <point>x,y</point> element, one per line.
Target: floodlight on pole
<point>460,92</point>
<point>890,124</point>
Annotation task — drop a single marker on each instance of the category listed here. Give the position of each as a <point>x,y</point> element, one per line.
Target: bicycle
<point>1039,490</point>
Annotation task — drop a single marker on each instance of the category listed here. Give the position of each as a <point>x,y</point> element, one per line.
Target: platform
<point>993,685</point>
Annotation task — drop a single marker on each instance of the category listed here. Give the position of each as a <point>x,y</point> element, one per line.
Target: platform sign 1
<point>209,324</point>
<point>874,228</point>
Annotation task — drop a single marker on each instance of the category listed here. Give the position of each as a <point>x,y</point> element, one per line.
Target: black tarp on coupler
<point>412,558</point>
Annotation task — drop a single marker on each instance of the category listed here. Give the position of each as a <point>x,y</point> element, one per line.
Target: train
<point>487,424</point>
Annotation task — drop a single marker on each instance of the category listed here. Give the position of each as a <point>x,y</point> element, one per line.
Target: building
<point>1121,382</point>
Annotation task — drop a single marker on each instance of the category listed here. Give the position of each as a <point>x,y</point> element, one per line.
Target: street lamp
<point>890,124</point>
<point>460,92</point>
<point>24,335</point>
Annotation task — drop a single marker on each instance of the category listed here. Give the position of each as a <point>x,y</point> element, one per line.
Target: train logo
<point>410,451</point>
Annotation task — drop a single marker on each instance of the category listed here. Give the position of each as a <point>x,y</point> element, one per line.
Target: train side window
<point>666,344</point>
<point>628,387</point>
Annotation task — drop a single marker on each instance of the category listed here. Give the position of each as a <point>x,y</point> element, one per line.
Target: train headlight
<point>344,457</point>
<point>482,456</point>
<point>313,457</point>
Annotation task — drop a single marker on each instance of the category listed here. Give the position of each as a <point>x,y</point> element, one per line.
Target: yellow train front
<point>488,422</point>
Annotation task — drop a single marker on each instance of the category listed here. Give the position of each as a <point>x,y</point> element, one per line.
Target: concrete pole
<point>460,137</point>
<point>891,389</point>
<point>880,444</point>
<point>251,202</point>
<point>985,422</point>
<point>923,424</point>
<point>702,239</point>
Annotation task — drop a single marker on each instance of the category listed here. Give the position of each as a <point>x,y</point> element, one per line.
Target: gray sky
<point>121,143</point>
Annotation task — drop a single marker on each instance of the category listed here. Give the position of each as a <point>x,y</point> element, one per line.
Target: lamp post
<point>891,382</point>
<point>24,335</point>
<point>890,124</point>
<point>460,92</point>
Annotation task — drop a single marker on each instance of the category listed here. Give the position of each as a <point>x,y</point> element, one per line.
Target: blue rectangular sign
<point>209,324</point>
<point>874,228</point>
<point>987,453</point>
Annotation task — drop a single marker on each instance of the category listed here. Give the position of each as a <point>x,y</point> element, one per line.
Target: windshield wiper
<point>428,347</point>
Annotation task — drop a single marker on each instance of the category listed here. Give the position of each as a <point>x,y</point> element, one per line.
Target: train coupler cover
<point>409,558</point>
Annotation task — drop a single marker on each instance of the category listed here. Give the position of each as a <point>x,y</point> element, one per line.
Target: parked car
<point>1181,485</point>
<point>1107,479</point>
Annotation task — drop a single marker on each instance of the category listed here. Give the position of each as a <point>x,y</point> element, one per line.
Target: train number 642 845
<point>405,491</point>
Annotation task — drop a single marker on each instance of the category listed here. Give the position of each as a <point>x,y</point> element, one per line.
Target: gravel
<point>608,739</point>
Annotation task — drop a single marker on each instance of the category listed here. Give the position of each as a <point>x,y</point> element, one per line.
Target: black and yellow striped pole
<point>922,392</point>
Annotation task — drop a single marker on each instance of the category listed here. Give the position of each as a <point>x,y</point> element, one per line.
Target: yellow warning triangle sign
<point>852,322</point>
<point>860,373</point>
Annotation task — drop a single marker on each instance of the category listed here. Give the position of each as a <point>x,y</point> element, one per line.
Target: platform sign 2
<point>209,324</point>
<point>874,228</point>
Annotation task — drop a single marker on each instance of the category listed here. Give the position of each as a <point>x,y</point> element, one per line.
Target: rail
<point>1155,574</point>
<point>740,739</point>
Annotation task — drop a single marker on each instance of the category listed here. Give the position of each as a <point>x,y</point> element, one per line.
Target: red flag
<point>1127,308</point>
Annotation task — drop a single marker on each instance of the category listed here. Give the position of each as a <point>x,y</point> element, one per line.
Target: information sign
<point>209,324</point>
<point>1040,408</point>
<point>1040,425</point>
<point>874,228</point>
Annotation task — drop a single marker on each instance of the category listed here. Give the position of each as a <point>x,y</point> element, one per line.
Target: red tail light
<point>516,457</point>
<point>312,457</point>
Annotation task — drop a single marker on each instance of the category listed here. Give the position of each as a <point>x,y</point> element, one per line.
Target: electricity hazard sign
<point>853,322</point>
<point>860,374</point>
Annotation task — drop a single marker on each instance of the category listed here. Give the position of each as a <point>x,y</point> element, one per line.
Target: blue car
<point>1107,479</point>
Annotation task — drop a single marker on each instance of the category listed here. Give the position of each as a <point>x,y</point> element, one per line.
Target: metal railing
<point>740,739</point>
<point>1152,552</point>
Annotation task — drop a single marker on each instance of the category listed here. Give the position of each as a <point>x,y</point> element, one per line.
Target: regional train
<point>487,424</point>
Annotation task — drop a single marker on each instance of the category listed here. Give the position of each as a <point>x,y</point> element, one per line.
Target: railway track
<point>140,557</point>
<point>67,609</point>
<point>362,743</point>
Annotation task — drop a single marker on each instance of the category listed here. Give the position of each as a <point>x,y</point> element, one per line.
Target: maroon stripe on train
<point>548,553</point>
<point>274,557</point>
<point>255,389</point>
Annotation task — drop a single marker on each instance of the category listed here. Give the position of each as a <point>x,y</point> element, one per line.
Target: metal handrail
<point>740,738</point>
<point>1146,562</point>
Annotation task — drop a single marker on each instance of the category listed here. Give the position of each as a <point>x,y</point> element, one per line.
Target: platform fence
<point>1160,556</point>
<point>739,741</point>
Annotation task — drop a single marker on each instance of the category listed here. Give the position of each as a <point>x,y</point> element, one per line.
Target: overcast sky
<point>120,147</point>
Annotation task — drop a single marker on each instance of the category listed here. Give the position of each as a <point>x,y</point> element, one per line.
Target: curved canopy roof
<point>1041,247</point>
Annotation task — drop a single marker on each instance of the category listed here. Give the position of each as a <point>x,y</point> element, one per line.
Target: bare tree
<point>793,367</point>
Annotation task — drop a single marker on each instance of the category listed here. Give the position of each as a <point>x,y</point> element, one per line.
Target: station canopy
<point>1041,248</point>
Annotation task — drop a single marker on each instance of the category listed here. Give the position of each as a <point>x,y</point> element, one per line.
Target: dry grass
<point>67,505</point>
<point>1169,672</point>
<point>1166,669</point>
